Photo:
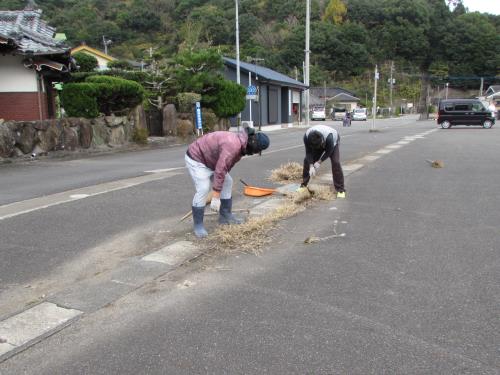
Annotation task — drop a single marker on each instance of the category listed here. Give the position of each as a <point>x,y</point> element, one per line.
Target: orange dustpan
<point>253,191</point>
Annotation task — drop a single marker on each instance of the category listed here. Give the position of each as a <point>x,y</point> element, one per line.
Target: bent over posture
<point>210,158</point>
<point>322,142</point>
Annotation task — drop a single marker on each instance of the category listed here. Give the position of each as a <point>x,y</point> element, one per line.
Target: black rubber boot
<point>199,229</point>
<point>226,216</point>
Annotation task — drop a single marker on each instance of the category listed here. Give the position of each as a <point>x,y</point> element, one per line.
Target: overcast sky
<point>485,6</point>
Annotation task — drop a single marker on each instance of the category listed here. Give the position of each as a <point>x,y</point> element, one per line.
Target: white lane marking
<point>30,324</point>
<point>393,146</point>
<point>78,196</point>
<point>173,254</point>
<point>34,204</point>
<point>164,170</point>
<point>383,151</point>
<point>369,158</point>
<point>352,167</point>
<point>403,142</point>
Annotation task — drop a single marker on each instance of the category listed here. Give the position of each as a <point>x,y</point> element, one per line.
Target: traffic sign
<point>251,90</point>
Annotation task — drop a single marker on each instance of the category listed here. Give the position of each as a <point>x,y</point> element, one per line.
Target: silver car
<point>359,114</point>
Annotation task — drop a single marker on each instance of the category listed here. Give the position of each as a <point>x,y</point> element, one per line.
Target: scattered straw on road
<point>291,171</point>
<point>251,236</point>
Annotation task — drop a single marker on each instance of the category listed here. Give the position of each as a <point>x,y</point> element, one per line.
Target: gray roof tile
<point>30,33</point>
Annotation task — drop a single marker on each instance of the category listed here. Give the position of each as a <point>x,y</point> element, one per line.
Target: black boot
<point>226,217</point>
<point>199,229</point>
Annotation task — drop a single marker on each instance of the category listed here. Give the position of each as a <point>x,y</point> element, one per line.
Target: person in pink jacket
<point>209,159</point>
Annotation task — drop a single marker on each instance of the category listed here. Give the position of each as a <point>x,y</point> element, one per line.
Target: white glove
<point>312,171</point>
<point>215,204</point>
<point>317,165</point>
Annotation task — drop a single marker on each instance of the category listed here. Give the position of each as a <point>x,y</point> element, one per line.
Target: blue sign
<point>199,124</point>
<point>251,90</point>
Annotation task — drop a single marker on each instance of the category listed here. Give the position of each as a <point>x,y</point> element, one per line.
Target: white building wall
<point>103,63</point>
<point>14,77</point>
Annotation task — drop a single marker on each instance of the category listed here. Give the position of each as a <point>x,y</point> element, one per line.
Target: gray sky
<point>485,6</point>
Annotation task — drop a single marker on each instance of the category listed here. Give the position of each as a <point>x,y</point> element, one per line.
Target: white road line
<point>25,327</point>
<point>173,254</point>
<point>352,167</point>
<point>383,151</point>
<point>34,204</point>
<point>164,170</point>
<point>369,158</point>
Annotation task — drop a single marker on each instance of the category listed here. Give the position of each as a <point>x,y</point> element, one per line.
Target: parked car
<point>464,112</point>
<point>338,114</point>
<point>318,113</point>
<point>359,114</point>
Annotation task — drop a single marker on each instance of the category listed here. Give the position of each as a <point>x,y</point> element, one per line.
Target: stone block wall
<point>19,138</point>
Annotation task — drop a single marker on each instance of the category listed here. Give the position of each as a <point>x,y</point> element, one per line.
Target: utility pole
<point>324,94</point>
<point>106,42</point>
<point>390,92</point>
<point>250,100</point>
<point>238,81</point>
<point>446,92</point>
<point>481,87</point>
<point>306,78</point>
<point>375,97</point>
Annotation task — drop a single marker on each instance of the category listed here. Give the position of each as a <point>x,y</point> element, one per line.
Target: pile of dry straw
<point>251,236</point>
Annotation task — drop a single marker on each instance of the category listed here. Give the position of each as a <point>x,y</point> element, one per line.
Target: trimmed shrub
<point>101,94</point>
<point>80,100</point>
<point>116,94</point>
<point>86,62</point>
<point>227,99</point>
<point>185,101</point>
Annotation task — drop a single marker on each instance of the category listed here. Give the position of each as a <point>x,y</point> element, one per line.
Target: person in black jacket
<point>322,142</point>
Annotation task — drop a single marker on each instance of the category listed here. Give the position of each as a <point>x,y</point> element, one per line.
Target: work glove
<point>215,202</point>
<point>312,171</point>
<point>317,165</point>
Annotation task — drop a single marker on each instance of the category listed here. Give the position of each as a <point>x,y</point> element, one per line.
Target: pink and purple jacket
<point>219,151</point>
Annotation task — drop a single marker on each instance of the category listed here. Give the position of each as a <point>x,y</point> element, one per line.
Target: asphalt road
<point>413,287</point>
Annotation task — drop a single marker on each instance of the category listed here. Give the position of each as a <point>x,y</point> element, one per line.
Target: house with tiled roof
<point>31,60</point>
<point>334,97</point>
<point>102,58</point>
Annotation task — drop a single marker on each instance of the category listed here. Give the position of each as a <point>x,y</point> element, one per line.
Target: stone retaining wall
<point>19,138</point>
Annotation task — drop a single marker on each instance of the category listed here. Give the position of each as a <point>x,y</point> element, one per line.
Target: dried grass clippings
<point>288,172</point>
<point>252,235</point>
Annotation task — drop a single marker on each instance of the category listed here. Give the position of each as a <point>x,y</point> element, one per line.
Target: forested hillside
<point>347,37</point>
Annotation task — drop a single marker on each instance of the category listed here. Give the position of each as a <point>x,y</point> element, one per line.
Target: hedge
<point>100,94</point>
<point>116,94</point>
<point>80,100</point>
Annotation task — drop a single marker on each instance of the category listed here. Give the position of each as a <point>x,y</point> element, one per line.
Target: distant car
<point>318,113</point>
<point>359,114</point>
<point>338,114</point>
<point>464,112</point>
